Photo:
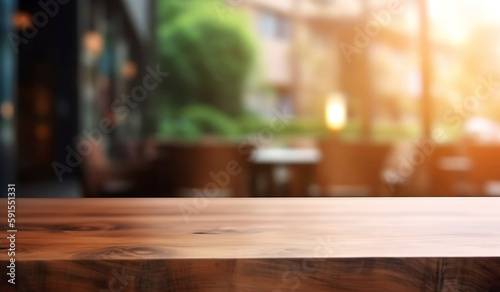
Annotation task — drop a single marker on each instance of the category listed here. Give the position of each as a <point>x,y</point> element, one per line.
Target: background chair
<point>213,169</point>
<point>351,169</point>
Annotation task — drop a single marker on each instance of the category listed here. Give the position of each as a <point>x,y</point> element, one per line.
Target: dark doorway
<point>47,87</point>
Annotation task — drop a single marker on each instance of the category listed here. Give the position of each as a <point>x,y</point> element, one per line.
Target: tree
<point>209,53</point>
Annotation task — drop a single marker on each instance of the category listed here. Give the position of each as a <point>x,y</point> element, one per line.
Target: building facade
<point>314,48</point>
<point>7,79</point>
<point>63,64</point>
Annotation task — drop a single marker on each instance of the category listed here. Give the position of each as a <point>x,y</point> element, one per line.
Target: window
<point>465,66</point>
<point>273,25</point>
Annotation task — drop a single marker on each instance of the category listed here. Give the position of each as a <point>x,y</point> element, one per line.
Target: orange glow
<point>7,110</point>
<point>336,112</point>
<point>21,20</point>
<point>42,103</point>
<point>129,70</point>
<point>94,43</point>
<point>42,132</point>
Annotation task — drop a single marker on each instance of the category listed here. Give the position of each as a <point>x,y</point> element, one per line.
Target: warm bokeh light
<point>336,112</point>
<point>22,20</point>
<point>7,110</point>
<point>129,70</point>
<point>94,43</point>
<point>448,17</point>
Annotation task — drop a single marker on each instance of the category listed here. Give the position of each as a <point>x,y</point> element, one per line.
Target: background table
<point>249,244</point>
<point>299,164</point>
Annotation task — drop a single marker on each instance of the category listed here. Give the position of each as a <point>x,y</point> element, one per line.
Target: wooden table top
<point>254,228</point>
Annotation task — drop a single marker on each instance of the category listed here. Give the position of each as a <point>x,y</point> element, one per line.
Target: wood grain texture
<point>314,244</point>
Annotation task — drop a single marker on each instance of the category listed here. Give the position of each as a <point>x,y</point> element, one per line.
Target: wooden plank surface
<point>302,244</point>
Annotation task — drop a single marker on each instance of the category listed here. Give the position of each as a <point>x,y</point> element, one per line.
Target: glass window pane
<point>465,60</point>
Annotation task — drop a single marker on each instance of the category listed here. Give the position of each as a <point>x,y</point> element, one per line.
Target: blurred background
<point>239,98</point>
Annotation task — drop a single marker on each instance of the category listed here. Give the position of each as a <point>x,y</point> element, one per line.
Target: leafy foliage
<point>193,121</point>
<point>208,53</point>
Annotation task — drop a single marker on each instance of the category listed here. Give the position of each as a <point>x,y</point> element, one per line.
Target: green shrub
<point>209,55</point>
